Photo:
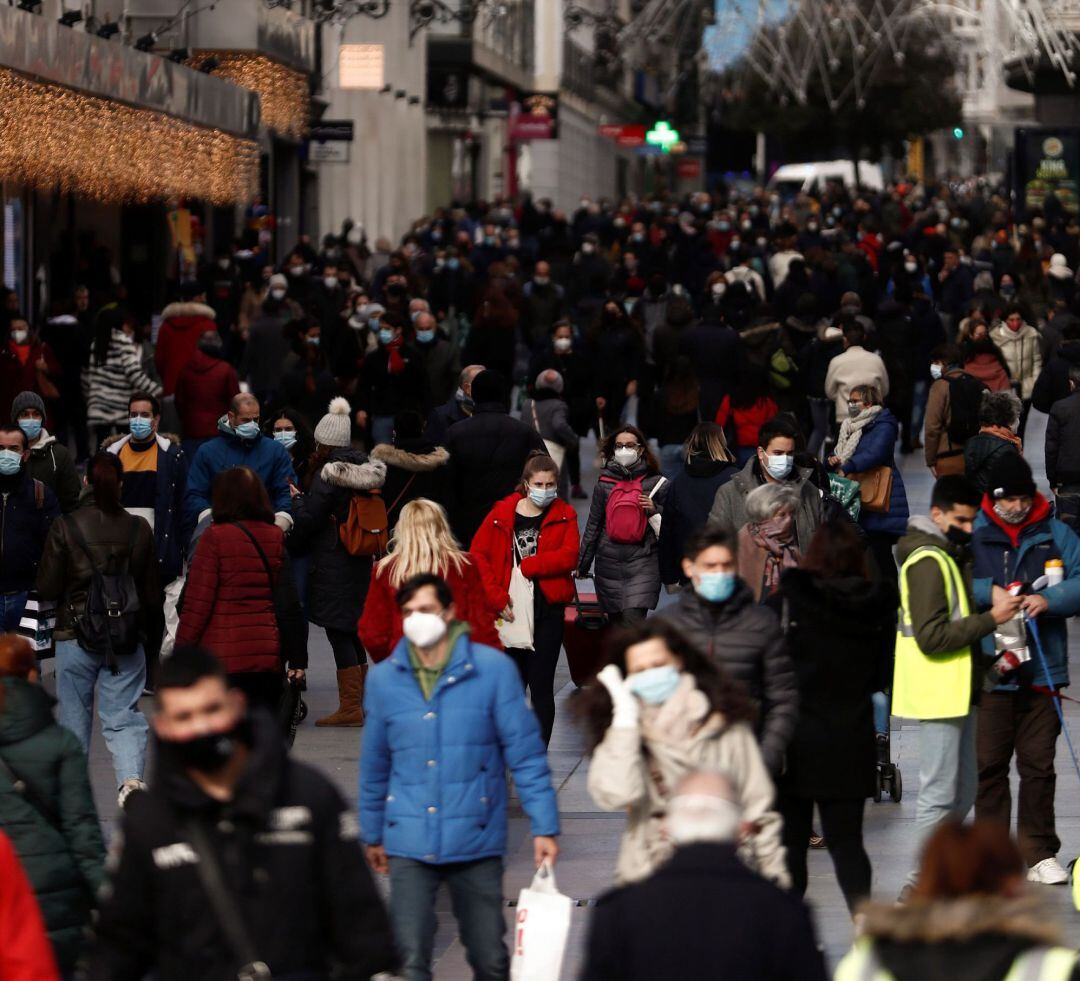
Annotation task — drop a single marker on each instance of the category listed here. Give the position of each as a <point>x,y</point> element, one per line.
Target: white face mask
<point>702,817</point>
<point>626,456</point>
<point>278,294</point>
<point>19,336</point>
<point>329,282</point>
<point>911,266</point>
<point>424,630</point>
<point>563,343</point>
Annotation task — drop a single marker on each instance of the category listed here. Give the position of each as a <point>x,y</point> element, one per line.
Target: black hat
<point>1010,477</point>
<point>489,386</point>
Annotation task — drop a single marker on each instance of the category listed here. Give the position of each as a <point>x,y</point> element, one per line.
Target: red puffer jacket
<point>379,627</point>
<point>228,603</point>
<point>204,388</point>
<point>556,550</point>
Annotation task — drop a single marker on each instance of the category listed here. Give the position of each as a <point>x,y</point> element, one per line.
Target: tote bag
<point>518,633</point>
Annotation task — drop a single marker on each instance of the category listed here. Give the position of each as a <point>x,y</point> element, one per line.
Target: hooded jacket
<point>65,867</point>
<point>934,629</point>
<point>475,726</point>
<point>1006,553</point>
<point>170,534</point>
<point>337,580</point>
<point>974,938</point>
<point>556,549</point>
<point>266,456</point>
<point>288,847</point>
<point>626,574</point>
<point>744,639</point>
<point>729,508</point>
<point>51,463</point>
<point>414,468</point>
<point>204,388</point>
<point>182,324</point>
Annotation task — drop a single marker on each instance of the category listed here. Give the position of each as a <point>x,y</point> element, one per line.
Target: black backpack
<point>110,623</point>
<point>965,398</point>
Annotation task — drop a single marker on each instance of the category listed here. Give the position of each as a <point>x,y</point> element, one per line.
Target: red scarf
<point>1040,510</point>
<point>395,362</point>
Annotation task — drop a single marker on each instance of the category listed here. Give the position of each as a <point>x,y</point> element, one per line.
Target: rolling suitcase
<point>584,637</point>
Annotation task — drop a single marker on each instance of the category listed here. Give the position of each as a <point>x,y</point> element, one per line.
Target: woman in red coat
<point>422,542</point>
<point>25,952</point>
<point>228,602</point>
<point>537,531</point>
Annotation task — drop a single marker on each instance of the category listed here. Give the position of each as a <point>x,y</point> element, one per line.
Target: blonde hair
<point>422,542</point>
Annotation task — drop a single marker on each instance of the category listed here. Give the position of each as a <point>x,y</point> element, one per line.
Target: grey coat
<point>553,423</point>
<point>729,508</point>
<point>337,581</point>
<point>626,575</point>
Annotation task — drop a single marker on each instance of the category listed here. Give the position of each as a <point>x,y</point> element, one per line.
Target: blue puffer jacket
<point>433,773</point>
<point>998,563</point>
<point>267,457</point>
<point>875,449</point>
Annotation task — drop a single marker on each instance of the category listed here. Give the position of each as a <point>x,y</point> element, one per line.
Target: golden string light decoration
<point>284,94</point>
<point>55,138</point>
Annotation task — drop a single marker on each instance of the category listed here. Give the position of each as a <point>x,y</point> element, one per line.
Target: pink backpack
<point>624,516</point>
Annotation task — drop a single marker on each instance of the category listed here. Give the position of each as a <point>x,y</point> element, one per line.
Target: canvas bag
<point>518,633</point>
<point>541,928</point>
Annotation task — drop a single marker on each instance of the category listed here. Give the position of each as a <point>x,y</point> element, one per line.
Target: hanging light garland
<point>53,137</point>
<point>284,94</point>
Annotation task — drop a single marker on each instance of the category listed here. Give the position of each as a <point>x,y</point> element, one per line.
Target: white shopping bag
<point>518,633</point>
<point>541,927</point>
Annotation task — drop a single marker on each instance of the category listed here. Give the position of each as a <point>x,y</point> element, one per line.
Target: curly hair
<point>999,409</point>
<point>726,695</point>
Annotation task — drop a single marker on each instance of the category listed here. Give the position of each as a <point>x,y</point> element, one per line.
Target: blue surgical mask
<point>286,437</point>
<point>542,498</point>
<point>716,587</point>
<point>140,427</point>
<point>656,685</point>
<point>414,315</point>
<point>425,336</point>
<point>373,323</point>
<point>32,428</point>
<point>247,430</point>
<point>10,462</point>
<point>779,466</point>
<point>453,263</point>
<point>385,336</point>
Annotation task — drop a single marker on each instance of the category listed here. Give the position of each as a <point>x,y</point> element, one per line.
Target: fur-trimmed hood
<point>355,476</point>
<point>1023,918</point>
<point>191,310</point>
<point>413,462</point>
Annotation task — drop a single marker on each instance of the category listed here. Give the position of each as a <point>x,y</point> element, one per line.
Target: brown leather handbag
<point>875,488</point>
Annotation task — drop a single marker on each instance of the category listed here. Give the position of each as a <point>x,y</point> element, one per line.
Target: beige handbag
<point>875,488</point>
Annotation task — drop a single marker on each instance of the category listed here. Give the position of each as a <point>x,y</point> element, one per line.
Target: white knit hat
<point>335,429</point>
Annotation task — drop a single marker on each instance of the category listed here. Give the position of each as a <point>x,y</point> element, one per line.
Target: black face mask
<point>207,753</point>
<point>395,290</point>
<point>958,536</point>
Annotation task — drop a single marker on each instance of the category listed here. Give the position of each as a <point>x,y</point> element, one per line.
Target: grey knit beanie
<point>335,428</point>
<point>24,401</point>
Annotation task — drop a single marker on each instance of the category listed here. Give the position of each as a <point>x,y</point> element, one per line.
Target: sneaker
<point>1048,872</point>
<point>127,788</point>
<point>577,492</point>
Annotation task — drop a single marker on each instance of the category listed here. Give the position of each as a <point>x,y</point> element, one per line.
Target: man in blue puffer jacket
<point>1014,540</point>
<point>241,444</point>
<point>445,718</point>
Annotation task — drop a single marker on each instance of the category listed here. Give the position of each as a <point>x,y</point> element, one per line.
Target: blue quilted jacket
<point>433,773</point>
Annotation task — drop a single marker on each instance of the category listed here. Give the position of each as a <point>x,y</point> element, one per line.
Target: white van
<point>811,178</point>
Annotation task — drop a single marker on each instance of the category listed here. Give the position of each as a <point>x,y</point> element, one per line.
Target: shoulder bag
<point>875,488</point>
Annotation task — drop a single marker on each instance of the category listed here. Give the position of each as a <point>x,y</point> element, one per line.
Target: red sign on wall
<point>688,167</point>
<point>624,134</point>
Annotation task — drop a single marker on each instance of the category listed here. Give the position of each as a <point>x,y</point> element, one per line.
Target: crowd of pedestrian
<point>386,442</point>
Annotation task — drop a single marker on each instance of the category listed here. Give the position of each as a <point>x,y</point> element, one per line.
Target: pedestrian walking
<point>50,461</point>
<point>999,420</point>
<point>1062,452</point>
<point>766,544</point>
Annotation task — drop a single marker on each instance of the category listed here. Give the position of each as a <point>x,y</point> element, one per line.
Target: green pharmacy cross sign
<point>662,136</point>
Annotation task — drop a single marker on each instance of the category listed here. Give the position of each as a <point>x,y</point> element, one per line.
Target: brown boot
<point>350,683</point>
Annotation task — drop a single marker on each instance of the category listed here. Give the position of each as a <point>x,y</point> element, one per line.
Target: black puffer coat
<point>65,868</point>
<point>337,581</point>
<point>626,575</point>
<point>487,454</point>
<point>686,509</point>
<point>839,633</point>
<point>414,468</point>
<point>744,639</point>
<point>982,453</point>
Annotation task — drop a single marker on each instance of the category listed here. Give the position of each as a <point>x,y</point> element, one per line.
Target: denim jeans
<point>124,727</point>
<point>477,899</point>
<point>11,611</point>
<point>948,773</point>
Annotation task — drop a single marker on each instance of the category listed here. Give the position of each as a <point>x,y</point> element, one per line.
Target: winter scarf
<point>1003,432</point>
<point>851,432</point>
<point>395,362</point>
<point>774,537</point>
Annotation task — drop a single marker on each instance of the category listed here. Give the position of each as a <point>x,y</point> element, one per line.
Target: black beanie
<point>1010,477</point>
<point>489,386</point>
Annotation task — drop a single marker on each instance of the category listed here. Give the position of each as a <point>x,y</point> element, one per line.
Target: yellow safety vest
<point>934,686</point>
<point>1036,964</point>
